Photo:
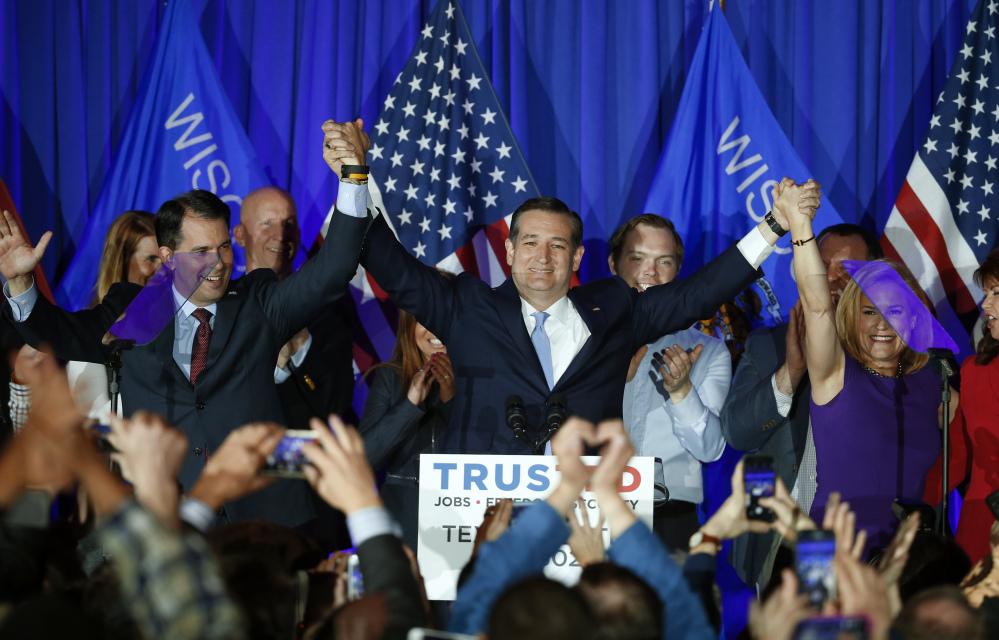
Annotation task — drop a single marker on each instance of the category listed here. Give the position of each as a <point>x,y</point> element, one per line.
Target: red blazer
<point>974,453</point>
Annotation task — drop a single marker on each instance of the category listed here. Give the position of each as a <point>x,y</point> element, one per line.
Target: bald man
<point>314,371</point>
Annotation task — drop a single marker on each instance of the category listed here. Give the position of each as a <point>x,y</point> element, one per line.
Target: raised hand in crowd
<point>778,616</point>
<point>17,257</point>
<point>893,560</point>
<point>234,468</point>
<point>730,520</point>
<point>790,519</point>
<point>45,453</point>
<point>568,445</point>
<point>616,450</point>
<point>340,472</point>
<point>150,453</point>
<point>586,540</point>
<point>676,372</point>
<point>344,143</point>
<point>494,524</point>
<point>843,523</point>
<point>862,592</point>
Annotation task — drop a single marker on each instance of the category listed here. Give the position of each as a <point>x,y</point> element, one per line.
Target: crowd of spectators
<point>147,529</point>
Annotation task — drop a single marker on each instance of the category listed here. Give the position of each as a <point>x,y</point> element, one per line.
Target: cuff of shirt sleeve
<point>370,523</point>
<point>197,514</point>
<point>22,305</point>
<point>352,199</point>
<point>688,410</point>
<point>783,400</point>
<point>755,248</point>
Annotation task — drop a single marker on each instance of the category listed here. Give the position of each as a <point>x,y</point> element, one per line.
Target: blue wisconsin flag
<point>182,134</point>
<point>724,152</point>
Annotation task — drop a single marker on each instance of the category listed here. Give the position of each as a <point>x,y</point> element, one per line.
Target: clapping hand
<point>443,374</point>
<point>676,378</point>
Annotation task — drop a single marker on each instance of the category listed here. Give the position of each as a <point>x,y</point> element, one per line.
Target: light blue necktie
<point>542,346</point>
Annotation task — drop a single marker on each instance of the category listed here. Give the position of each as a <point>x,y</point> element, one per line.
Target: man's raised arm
<point>670,307</point>
<point>412,285</point>
<point>72,336</point>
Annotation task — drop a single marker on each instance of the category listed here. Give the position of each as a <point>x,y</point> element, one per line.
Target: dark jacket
<point>395,433</point>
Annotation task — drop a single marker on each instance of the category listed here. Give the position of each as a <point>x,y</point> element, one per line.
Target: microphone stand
<point>946,372</point>
<point>115,348</point>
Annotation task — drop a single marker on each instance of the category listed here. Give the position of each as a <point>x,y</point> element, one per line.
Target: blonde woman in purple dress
<point>874,402</point>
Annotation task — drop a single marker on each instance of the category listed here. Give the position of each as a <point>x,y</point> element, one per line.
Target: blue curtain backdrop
<point>590,87</point>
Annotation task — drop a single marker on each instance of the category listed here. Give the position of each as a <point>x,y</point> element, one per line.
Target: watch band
<point>774,225</point>
<point>700,538</point>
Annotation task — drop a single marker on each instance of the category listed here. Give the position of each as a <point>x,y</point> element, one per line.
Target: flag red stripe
<point>496,234</point>
<point>925,228</point>
<point>467,258</point>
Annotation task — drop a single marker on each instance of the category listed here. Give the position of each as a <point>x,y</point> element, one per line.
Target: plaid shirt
<point>170,581</point>
<point>20,405</point>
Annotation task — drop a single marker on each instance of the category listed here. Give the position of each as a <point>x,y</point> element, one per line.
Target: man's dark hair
<point>548,205</point>
<point>266,593</point>
<point>541,609</point>
<point>170,218</point>
<point>624,605</point>
<point>940,613</point>
<point>934,560</point>
<point>653,220</point>
<point>845,229</point>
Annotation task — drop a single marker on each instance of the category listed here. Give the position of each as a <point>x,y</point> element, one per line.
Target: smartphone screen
<point>831,629</point>
<point>759,479</point>
<point>813,564</point>
<point>287,460</point>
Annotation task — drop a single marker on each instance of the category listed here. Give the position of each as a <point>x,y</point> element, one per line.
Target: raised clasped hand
<point>344,143</point>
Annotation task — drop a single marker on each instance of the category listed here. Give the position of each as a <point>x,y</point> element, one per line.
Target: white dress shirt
<point>565,329</point>
<point>686,434</point>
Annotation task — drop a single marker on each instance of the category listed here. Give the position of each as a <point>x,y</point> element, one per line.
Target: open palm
<point>17,256</point>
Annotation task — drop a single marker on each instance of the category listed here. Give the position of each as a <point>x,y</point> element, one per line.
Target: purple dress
<point>874,442</point>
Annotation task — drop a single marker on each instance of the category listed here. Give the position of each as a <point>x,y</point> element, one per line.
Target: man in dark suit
<point>532,336</point>
<point>315,369</point>
<point>767,406</point>
<point>211,368</point>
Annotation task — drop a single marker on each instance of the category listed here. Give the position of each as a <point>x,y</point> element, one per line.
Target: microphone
<point>555,412</point>
<point>555,415</point>
<point>516,418</point>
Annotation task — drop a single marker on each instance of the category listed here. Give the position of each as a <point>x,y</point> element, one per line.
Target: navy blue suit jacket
<point>253,320</point>
<point>491,351</point>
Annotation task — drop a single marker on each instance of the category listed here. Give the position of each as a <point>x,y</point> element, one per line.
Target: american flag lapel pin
<point>596,308</point>
<point>232,293</point>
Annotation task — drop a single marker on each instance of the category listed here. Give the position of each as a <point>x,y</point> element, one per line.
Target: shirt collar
<point>186,306</point>
<point>559,311</point>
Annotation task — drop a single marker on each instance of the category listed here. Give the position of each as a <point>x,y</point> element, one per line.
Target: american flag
<point>446,170</point>
<point>944,221</point>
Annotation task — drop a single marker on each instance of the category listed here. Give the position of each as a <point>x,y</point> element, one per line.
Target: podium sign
<point>455,491</point>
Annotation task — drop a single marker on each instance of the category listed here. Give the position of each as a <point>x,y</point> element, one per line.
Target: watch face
<point>696,539</point>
